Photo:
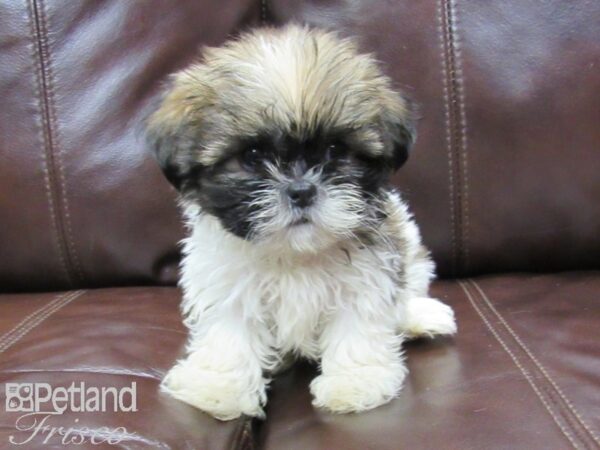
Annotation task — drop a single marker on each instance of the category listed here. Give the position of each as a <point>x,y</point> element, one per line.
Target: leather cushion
<point>522,372</point>
<point>503,176</point>
<point>82,201</point>
<point>106,338</point>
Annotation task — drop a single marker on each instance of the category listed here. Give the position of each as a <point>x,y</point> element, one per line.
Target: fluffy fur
<point>339,276</point>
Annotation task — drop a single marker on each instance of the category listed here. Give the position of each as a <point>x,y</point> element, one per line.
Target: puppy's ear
<point>173,131</point>
<point>399,131</point>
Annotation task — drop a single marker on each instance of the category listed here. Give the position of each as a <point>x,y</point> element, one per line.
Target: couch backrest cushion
<point>504,175</point>
<point>82,203</point>
<point>506,171</point>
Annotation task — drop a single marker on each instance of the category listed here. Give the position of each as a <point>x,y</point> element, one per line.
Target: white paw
<point>428,317</point>
<point>357,389</point>
<point>224,392</point>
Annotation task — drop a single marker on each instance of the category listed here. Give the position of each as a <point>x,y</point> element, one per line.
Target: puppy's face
<point>287,136</point>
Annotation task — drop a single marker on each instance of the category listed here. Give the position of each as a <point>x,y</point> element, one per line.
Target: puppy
<point>281,144</point>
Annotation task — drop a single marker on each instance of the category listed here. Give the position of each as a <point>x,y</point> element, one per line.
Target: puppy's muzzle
<point>302,193</point>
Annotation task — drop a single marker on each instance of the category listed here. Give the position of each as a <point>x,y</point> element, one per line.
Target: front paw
<point>357,389</point>
<point>223,392</point>
<point>428,317</point>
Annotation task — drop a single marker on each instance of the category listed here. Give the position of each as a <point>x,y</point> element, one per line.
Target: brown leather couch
<point>504,182</point>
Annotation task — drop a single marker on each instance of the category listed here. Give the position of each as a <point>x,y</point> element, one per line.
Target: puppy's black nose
<point>302,193</point>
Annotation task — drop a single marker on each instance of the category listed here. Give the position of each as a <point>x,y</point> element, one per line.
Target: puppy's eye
<point>335,151</point>
<point>368,159</point>
<point>252,157</point>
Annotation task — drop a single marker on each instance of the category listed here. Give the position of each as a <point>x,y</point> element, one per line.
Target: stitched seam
<point>462,132</point>
<point>45,140</point>
<point>454,106</point>
<point>541,368</point>
<point>58,152</point>
<point>21,332</point>
<point>28,317</point>
<point>263,12</point>
<point>444,40</point>
<point>38,320</point>
<point>515,359</point>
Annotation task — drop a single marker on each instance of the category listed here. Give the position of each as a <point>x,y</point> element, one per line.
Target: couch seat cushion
<point>523,372</point>
<point>104,338</point>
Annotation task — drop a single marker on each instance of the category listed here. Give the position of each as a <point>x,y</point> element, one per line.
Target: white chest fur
<point>348,307</point>
<point>287,297</point>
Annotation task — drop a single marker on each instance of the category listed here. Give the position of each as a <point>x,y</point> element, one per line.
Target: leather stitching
<point>34,319</point>
<point>535,361</point>
<point>263,12</point>
<point>46,139</point>
<point>462,131</point>
<point>151,374</point>
<point>446,94</point>
<point>523,370</point>
<point>58,152</point>
<point>455,134</point>
<point>27,318</point>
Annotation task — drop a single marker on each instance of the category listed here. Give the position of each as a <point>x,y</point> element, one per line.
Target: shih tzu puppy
<point>282,143</point>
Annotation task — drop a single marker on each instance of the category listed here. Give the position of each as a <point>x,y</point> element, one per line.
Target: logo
<point>19,397</point>
<point>43,397</point>
<point>41,406</point>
